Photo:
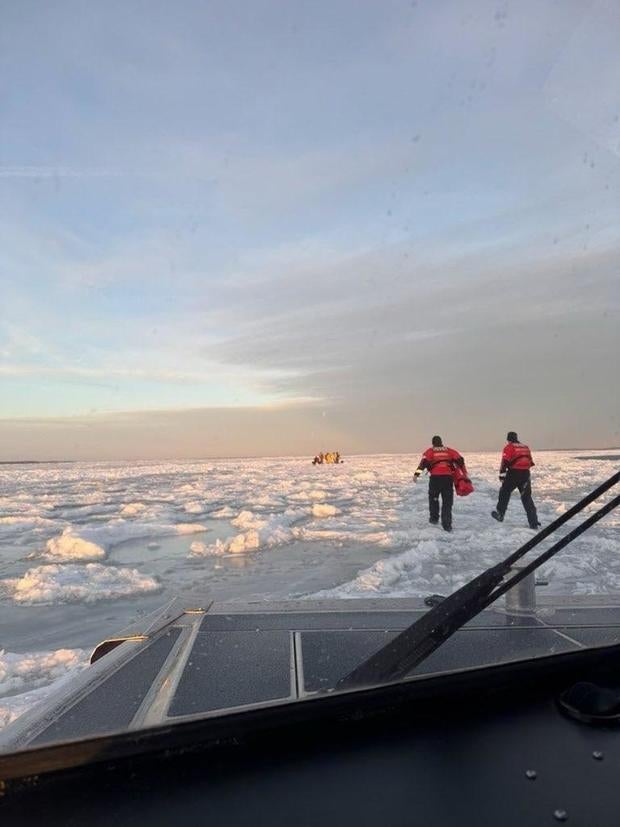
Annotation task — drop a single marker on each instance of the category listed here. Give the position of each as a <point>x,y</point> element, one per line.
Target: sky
<point>250,228</point>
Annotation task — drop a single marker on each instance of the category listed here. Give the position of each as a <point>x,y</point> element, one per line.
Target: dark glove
<point>502,477</point>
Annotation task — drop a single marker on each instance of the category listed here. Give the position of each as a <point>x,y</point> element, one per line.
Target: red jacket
<point>517,456</point>
<point>440,461</point>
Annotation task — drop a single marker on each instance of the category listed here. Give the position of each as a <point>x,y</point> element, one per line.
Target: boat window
<point>309,317</point>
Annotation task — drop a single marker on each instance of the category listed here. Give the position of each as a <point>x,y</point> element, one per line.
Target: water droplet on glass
<point>598,755</point>
<point>560,815</point>
<point>531,774</point>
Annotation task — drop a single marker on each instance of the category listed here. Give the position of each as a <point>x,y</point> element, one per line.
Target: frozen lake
<point>87,548</point>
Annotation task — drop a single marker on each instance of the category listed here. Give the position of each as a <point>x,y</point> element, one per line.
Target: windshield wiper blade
<point>408,649</point>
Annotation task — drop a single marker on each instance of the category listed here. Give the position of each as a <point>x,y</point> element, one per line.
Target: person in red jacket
<point>440,461</point>
<point>514,473</point>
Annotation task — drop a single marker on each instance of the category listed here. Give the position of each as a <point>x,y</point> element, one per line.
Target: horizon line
<point>273,456</point>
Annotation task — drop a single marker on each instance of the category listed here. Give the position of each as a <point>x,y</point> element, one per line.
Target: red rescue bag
<point>462,484</point>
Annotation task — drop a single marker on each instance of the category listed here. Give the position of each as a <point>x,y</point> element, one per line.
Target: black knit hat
<point>437,442</point>
<point>511,436</point>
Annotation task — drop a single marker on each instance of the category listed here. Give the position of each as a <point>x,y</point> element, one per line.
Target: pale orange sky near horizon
<point>239,433</point>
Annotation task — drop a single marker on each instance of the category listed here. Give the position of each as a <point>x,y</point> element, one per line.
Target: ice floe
<point>190,528</point>
<point>259,531</point>
<point>35,669</point>
<point>133,509</point>
<point>39,673</point>
<point>324,510</point>
<point>73,583</point>
<point>70,546</point>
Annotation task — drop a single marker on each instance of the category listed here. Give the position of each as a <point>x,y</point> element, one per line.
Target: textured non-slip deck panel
<point>111,706</point>
<point>590,616</point>
<point>229,669</point>
<point>329,656</point>
<point>594,636</point>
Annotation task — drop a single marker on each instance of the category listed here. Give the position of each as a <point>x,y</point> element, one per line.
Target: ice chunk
<point>324,510</point>
<point>200,549</point>
<point>25,522</point>
<point>40,673</point>
<point>133,509</point>
<point>223,513</point>
<point>244,542</point>
<point>70,546</point>
<point>393,576</point>
<point>194,508</point>
<point>31,670</point>
<point>15,525</point>
<point>246,519</point>
<point>260,532</point>
<point>190,528</point>
<point>72,583</point>
<point>305,495</point>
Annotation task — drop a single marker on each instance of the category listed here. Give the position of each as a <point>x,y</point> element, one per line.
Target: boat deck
<point>196,662</point>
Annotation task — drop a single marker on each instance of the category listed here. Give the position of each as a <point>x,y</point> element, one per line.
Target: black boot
<point>497,516</point>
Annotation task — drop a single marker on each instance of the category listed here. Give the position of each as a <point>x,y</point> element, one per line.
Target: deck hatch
<point>231,669</point>
<point>330,655</point>
<point>111,706</point>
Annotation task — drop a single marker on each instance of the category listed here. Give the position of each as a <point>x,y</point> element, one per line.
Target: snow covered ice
<point>72,583</point>
<point>88,548</point>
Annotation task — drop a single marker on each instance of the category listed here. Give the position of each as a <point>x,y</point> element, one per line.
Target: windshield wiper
<point>408,649</point>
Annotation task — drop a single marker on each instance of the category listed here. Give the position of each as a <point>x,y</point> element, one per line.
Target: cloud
<point>381,207</point>
<point>345,313</point>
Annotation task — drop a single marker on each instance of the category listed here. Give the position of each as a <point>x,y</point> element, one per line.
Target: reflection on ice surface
<point>85,549</point>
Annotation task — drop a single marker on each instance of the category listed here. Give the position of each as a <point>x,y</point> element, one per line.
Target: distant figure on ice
<point>440,462</point>
<point>514,473</point>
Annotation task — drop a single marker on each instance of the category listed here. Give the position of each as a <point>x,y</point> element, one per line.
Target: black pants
<point>521,480</point>
<point>441,485</point>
